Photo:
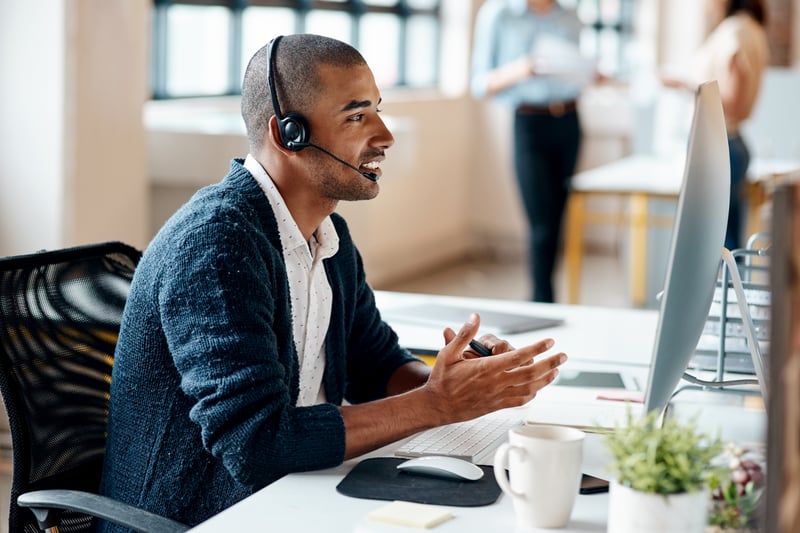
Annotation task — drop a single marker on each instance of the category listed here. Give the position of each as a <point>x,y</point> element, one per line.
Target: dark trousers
<point>740,161</point>
<point>545,154</point>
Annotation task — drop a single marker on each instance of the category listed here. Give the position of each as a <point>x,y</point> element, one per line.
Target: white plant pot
<point>632,511</point>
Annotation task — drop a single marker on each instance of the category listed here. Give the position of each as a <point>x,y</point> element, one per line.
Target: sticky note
<point>411,514</point>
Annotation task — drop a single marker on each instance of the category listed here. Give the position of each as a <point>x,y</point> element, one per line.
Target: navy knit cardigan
<point>205,378</point>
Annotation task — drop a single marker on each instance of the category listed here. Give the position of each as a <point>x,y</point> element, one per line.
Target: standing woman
<point>523,49</point>
<point>735,54</point>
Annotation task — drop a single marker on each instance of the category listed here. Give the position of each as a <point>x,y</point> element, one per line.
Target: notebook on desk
<point>441,315</point>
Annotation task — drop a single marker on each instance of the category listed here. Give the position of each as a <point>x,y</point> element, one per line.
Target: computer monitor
<point>698,236</point>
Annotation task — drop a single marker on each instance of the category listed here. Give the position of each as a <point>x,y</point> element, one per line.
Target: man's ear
<point>273,136</point>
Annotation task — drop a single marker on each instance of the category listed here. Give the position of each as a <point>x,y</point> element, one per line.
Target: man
<point>251,346</point>
<point>526,57</point>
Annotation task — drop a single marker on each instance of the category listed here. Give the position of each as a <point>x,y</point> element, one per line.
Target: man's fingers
<point>456,342</point>
<point>495,344</point>
<point>526,381</point>
<point>527,391</point>
<point>532,372</point>
<point>522,356</point>
<point>449,335</point>
<point>542,346</point>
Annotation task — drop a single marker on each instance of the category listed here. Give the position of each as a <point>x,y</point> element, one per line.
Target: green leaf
<point>662,458</point>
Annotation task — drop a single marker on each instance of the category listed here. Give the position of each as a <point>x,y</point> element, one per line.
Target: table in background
<point>640,179</point>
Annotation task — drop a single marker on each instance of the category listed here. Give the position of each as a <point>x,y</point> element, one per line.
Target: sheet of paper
<point>562,59</point>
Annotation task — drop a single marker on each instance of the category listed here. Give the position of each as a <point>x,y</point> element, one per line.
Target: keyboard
<point>471,440</point>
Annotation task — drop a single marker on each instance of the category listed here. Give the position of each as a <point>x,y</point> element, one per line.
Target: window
<point>201,47</point>
<point>608,33</point>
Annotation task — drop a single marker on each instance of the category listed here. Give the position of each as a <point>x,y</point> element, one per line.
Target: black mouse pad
<point>378,478</point>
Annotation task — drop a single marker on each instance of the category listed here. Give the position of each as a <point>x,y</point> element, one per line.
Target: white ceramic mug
<point>544,473</point>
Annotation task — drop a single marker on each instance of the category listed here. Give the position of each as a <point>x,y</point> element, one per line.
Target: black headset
<point>293,129</point>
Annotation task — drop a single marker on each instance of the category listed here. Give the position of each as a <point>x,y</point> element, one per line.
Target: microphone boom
<point>372,176</point>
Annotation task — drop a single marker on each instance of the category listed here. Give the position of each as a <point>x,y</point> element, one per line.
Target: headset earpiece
<point>294,131</point>
<point>293,128</point>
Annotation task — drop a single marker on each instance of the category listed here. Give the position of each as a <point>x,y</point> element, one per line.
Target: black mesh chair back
<point>60,315</point>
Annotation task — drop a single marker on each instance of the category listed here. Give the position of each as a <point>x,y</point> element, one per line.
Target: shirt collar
<point>291,237</point>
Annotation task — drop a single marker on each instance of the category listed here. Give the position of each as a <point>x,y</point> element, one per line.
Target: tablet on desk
<point>441,315</point>
<point>596,379</point>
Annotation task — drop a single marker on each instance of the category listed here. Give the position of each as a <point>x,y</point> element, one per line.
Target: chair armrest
<point>42,502</point>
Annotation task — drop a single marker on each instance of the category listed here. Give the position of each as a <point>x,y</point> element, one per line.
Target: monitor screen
<point>698,235</point>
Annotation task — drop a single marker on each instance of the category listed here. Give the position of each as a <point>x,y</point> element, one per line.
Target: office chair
<point>60,315</point>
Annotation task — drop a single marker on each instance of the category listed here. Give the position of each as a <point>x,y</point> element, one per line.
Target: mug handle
<point>500,466</point>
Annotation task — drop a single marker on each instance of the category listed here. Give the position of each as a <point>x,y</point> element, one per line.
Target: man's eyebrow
<point>359,104</point>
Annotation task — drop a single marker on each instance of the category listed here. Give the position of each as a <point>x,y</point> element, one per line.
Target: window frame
<point>622,24</point>
<point>356,9</point>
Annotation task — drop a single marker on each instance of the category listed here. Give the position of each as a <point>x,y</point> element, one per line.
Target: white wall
<point>420,218</point>
<point>32,110</point>
<point>105,172</point>
<point>682,26</point>
<point>72,156</point>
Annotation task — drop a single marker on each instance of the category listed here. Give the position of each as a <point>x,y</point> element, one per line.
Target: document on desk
<point>442,315</point>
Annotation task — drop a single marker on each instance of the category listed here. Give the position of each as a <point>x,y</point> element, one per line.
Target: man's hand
<point>463,385</point>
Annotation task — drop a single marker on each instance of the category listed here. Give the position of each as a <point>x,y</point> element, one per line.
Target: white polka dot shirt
<point>308,287</point>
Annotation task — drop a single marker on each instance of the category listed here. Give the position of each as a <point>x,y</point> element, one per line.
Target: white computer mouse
<point>444,467</point>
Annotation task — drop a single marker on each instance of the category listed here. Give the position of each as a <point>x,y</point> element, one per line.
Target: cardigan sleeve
<point>223,301</point>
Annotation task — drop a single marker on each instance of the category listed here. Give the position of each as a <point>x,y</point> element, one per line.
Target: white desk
<point>589,335</point>
<point>309,501</point>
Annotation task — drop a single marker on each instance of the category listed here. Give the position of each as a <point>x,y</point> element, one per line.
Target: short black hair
<point>296,78</point>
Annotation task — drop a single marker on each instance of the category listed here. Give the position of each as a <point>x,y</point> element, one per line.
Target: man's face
<point>345,121</point>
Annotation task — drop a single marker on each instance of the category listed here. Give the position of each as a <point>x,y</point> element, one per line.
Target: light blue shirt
<point>505,31</point>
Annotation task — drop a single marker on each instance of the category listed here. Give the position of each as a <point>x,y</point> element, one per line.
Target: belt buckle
<point>557,109</point>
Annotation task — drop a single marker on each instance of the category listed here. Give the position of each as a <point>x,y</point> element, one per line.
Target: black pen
<point>482,350</point>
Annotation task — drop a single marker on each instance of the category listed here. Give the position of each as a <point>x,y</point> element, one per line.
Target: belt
<point>554,109</point>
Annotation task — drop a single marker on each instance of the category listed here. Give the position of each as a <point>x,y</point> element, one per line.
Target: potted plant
<point>660,475</point>
<point>736,493</point>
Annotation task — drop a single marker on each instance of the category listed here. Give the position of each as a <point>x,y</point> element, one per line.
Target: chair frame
<point>47,505</point>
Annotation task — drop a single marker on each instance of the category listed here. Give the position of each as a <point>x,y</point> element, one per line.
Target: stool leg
<point>638,254</point>
<point>576,218</point>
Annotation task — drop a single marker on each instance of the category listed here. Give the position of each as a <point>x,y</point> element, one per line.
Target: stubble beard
<point>339,183</point>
